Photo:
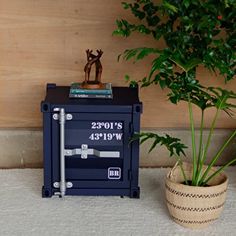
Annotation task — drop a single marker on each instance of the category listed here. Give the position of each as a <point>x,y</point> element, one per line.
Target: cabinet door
<point>98,150</point>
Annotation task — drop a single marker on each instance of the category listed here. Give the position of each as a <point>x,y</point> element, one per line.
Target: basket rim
<point>222,174</point>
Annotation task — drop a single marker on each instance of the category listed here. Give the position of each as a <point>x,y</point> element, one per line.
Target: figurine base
<point>93,85</point>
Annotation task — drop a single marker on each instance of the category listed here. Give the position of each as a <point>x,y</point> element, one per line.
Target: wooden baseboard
<point>23,148</point>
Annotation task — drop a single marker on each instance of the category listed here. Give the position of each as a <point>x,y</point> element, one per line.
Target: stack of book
<point>76,91</point>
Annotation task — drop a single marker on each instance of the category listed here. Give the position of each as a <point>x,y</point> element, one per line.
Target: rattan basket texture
<point>194,207</point>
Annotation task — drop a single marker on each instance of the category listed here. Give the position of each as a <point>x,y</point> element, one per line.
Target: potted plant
<point>195,32</point>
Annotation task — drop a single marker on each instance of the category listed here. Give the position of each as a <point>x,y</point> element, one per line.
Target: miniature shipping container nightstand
<point>86,143</point>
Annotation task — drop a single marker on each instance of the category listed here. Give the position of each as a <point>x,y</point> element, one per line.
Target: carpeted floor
<point>24,212</point>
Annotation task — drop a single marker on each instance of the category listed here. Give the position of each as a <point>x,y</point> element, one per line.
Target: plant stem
<point>181,168</point>
<point>200,169</point>
<point>218,154</point>
<point>218,171</point>
<point>193,141</point>
<point>199,159</point>
<point>209,139</point>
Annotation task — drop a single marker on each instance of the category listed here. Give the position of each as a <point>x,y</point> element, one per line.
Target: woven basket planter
<point>194,207</point>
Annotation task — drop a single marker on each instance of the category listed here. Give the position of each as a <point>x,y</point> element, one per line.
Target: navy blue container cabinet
<point>86,143</point>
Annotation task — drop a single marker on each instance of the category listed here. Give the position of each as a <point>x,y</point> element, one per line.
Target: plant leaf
<point>174,145</point>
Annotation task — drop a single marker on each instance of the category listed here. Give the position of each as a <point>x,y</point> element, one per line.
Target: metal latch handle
<point>84,151</point>
<point>62,120</point>
<point>62,117</point>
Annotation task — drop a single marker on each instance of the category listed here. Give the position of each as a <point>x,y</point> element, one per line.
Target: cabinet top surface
<point>121,96</point>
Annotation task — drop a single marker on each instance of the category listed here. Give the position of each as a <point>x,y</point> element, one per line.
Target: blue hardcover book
<point>77,89</point>
<point>99,96</point>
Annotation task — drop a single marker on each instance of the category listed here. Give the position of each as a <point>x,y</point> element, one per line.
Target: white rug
<point>24,212</point>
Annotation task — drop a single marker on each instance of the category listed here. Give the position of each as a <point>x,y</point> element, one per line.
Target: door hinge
<point>131,128</point>
<point>57,185</point>
<point>57,117</point>
<point>130,176</point>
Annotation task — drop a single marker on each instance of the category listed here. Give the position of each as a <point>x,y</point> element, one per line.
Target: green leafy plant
<point>196,32</point>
